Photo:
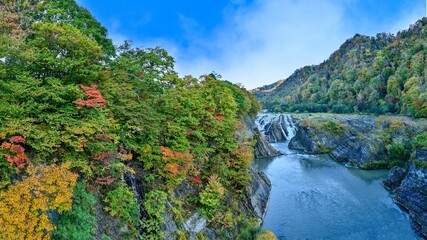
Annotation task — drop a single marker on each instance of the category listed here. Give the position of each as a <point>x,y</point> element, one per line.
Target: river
<point>314,197</point>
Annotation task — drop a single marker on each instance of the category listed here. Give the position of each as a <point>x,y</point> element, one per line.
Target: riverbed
<point>314,197</point>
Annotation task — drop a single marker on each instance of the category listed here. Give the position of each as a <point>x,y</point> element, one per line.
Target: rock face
<point>343,146</point>
<point>262,147</point>
<point>258,195</point>
<point>355,140</point>
<point>255,204</point>
<point>411,191</point>
<point>395,177</point>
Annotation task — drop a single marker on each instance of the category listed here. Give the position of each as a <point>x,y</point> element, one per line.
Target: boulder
<point>195,224</point>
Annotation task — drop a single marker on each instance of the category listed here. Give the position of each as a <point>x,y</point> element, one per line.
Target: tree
<point>78,223</point>
<point>62,51</point>
<point>24,206</point>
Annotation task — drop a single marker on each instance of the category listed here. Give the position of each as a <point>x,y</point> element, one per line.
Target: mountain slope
<point>382,74</point>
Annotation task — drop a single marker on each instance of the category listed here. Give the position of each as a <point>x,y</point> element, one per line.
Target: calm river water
<point>314,197</point>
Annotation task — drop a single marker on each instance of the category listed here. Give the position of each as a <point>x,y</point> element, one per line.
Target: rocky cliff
<point>345,139</point>
<point>410,190</point>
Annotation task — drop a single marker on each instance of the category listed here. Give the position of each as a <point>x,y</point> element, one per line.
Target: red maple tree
<point>93,95</point>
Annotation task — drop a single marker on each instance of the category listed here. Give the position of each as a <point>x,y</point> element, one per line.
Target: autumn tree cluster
<point>79,118</point>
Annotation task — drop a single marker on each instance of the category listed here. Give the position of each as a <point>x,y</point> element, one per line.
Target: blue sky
<point>253,42</point>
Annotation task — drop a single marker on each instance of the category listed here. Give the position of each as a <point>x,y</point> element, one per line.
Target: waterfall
<point>287,127</point>
<point>285,134</point>
<point>290,126</point>
<point>131,181</point>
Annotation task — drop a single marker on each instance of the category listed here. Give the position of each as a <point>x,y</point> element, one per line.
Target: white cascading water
<point>290,127</point>
<point>281,126</point>
<point>263,120</point>
<point>285,120</point>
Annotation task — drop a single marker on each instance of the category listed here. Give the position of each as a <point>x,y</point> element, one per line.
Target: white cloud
<point>267,41</point>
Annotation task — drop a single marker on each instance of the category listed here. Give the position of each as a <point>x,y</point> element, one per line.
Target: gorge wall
<point>409,187</point>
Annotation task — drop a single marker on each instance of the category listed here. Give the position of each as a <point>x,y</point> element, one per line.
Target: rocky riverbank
<point>409,187</point>
<point>371,142</point>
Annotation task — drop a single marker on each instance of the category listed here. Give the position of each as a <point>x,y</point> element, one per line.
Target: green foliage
<point>398,154</point>
<point>422,164</point>
<point>375,165</point>
<point>255,233</point>
<point>121,203</point>
<point>61,90</point>
<point>62,51</point>
<point>249,233</point>
<point>420,141</point>
<point>330,126</point>
<point>382,74</point>
<point>78,223</point>
<point>211,198</point>
<point>266,235</point>
<point>68,11</point>
<point>154,205</point>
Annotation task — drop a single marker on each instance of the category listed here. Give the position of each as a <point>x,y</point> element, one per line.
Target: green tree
<point>78,223</point>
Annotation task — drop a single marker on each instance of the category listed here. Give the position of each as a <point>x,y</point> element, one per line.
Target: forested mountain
<point>382,74</point>
<point>80,119</point>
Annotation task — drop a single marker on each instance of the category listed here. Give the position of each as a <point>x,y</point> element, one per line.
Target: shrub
<point>420,141</point>
<point>266,235</point>
<point>122,204</point>
<point>397,154</point>
<point>154,205</point>
<point>211,198</point>
<point>374,165</point>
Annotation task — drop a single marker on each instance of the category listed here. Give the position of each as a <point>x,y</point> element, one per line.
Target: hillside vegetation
<point>382,74</point>
<point>80,118</point>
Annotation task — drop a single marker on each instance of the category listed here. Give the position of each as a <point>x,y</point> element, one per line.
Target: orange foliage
<point>173,168</point>
<point>105,180</point>
<point>103,156</point>
<point>244,152</point>
<point>176,163</point>
<point>93,95</point>
<point>169,154</point>
<point>126,157</point>
<point>220,118</point>
<point>24,206</point>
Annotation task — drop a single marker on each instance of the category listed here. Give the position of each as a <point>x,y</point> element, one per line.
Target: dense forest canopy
<point>78,115</point>
<point>382,74</point>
